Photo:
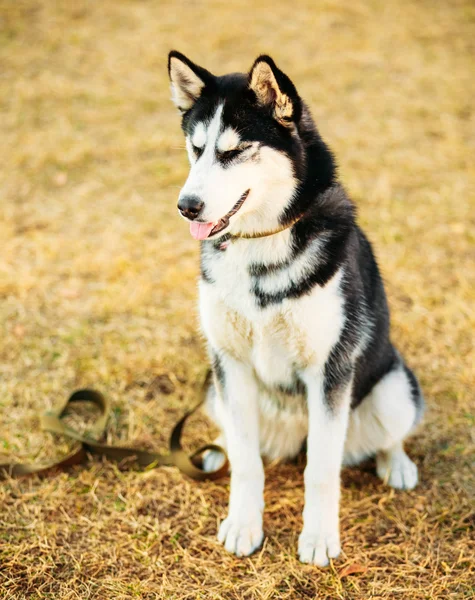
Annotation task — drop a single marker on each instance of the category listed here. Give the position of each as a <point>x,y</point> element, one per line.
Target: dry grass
<point>97,279</point>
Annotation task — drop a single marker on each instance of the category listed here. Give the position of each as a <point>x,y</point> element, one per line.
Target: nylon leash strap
<point>53,422</point>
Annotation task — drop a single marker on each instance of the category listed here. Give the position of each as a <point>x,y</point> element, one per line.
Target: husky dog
<point>291,303</point>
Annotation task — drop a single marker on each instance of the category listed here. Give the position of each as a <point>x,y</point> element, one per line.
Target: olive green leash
<point>53,422</point>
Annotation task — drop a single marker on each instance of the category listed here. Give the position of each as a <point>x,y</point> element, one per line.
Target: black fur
<point>204,271</point>
<point>218,369</point>
<point>417,397</point>
<point>296,387</point>
<point>320,219</point>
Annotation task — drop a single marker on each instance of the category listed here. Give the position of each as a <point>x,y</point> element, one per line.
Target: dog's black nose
<point>190,206</point>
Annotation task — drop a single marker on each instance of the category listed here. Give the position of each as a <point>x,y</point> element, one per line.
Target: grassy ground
<point>97,280</point>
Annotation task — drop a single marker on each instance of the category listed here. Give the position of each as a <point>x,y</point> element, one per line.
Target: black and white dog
<point>291,302</point>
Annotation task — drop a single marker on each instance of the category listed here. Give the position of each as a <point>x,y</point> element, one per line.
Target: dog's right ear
<point>187,80</point>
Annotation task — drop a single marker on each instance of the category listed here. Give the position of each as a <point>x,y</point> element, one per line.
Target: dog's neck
<point>266,233</point>
<point>274,242</point>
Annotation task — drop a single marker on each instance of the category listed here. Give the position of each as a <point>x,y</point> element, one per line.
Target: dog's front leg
<point>328,411</point>
<point>241,532</point>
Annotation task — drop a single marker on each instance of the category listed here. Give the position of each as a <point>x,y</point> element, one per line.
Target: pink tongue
<point>200,231</point>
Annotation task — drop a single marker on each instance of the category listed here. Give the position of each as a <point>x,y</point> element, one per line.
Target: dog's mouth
<point>201,231</point>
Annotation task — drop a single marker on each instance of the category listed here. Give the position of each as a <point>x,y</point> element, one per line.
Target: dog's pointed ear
<point>187,80</point>
<point>274,90</point>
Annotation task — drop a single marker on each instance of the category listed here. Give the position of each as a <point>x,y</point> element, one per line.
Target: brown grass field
<point>98,273</point>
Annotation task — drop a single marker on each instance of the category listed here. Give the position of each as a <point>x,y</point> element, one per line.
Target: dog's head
<point>246,141</point>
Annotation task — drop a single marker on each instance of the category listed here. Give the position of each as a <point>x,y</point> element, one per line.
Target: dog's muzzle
<point>201,231</point>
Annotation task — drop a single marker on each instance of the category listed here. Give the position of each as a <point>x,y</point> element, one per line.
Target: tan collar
<point>251,236</point>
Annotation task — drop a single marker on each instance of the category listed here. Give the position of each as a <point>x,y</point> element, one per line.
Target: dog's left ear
<point>275,91</point>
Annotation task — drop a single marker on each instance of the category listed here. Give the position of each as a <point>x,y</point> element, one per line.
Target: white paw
<point>317,549</point>
<point>212,460</point>
<point>241,537</point>
<point>397,470</point>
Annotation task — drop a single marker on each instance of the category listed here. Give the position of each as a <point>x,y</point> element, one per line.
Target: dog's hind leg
<point>380,424</point>
<point>212,459</point>
<point>396,469</point>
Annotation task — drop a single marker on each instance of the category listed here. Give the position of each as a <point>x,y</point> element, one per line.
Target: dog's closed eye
<point>197,151</point>
<point>228,155</point>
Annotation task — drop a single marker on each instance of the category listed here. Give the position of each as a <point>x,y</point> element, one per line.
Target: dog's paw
<point>317,549</point>
<point>397,470</point>
<point>212,460</point>
<point>239,537</point>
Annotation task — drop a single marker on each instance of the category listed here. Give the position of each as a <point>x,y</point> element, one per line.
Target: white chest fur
<point>281,339</point>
